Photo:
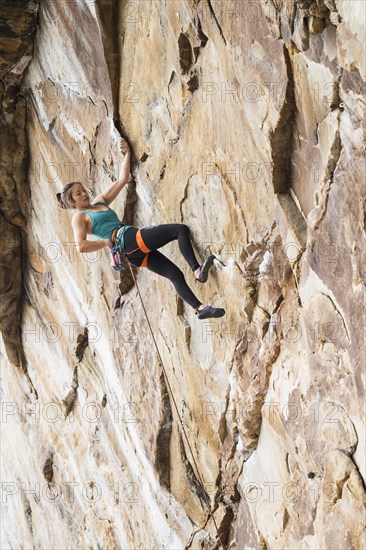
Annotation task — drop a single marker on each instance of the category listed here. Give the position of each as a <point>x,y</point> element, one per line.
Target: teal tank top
<point>104,222</point>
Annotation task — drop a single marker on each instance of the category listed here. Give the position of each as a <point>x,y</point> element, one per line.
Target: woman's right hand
<point>109,243</point>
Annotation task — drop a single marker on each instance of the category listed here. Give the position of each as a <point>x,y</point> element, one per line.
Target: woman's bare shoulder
<point>77,217</point>
<point>100,198</point>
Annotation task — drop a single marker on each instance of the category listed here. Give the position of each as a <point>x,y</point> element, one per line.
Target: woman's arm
<point>93,246</point>
<point>82,244</point>
<point>115,188</point>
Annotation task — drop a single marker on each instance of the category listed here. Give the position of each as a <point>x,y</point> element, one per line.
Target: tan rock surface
<point>247,123</point>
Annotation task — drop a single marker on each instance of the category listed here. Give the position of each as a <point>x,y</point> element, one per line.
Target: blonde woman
<point>140,246</point>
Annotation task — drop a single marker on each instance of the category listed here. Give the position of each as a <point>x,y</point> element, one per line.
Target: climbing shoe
<point>203,274</point>
<point>209,311</point>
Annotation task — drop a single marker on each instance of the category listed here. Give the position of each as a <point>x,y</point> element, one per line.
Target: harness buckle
<point>120,231</point>
<point>116,233</point>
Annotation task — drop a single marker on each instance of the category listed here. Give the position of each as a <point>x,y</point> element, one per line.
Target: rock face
<point>247,123</point>
<point>18,24</point>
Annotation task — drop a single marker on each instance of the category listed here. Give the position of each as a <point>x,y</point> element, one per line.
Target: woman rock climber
<point>138,245</point>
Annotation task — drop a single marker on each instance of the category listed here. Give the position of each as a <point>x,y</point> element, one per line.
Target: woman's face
<point>80,196</point>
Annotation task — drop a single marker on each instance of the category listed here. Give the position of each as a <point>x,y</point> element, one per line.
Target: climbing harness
<point>181,423</point>
<point>118,248</point>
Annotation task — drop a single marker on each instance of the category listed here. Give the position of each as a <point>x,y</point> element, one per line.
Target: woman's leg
<point>160,264</point>
<point>156,236</point>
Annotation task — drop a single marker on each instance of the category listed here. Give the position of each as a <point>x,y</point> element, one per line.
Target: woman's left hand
<point>123,146</point>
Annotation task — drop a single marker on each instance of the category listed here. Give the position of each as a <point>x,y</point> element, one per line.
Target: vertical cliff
<point>247,123</point>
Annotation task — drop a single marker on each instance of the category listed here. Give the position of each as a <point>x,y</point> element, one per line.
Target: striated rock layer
<point>247,123</point>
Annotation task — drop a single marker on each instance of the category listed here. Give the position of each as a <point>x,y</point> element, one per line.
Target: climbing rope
<point>175,405</point>
<point>119,128</point>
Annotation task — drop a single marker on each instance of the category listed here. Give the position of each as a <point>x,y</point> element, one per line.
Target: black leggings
<point>156,236</point>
